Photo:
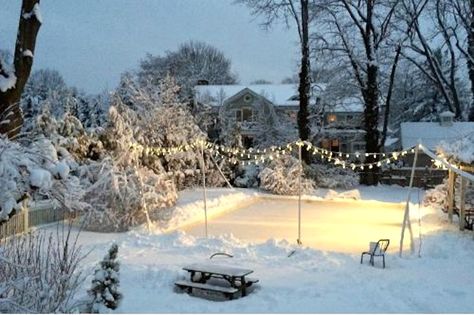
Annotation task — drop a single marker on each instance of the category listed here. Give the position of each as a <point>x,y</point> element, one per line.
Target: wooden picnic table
<point>201,273</point>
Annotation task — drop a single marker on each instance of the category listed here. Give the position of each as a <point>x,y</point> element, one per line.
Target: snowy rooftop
<point>278,94</point>
<point>349,104</point>
<point>431,134</point>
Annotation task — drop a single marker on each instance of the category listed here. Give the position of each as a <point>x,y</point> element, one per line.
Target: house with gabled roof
<point>254,109</point>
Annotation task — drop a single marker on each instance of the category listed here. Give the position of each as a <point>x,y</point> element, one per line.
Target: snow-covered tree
<point>281,176</point>
<point>104,291</point>
<point>444,74</point>
<point>192,63</point>
<point>366,36</point>
<point>298,13</point>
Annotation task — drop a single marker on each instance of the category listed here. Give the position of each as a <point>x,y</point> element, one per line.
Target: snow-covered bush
<point>437,197</point>
<point>328,176</point>
<point>281,176</point>
<point>40,272</point>
<point>104,290</point>
<point>123,197</point>
<point>35,171</point>
<point>247,176</point>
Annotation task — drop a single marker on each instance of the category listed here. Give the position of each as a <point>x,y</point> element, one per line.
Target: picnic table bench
<point>235,278</point>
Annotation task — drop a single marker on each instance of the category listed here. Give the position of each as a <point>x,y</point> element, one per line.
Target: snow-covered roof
<point>349,104</point>
<point>431,134</point>
<point>278,94</point>
<point>447,114</point>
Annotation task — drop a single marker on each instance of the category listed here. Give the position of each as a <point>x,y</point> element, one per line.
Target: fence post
<point>450,195</point>
<point>26,216</point>
<point>462,206</point>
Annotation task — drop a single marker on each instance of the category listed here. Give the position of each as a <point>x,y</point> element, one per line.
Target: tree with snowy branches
<point>105,284</point>
<point>193,62</point>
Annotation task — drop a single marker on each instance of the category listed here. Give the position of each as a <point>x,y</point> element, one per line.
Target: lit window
<point>332,118</point>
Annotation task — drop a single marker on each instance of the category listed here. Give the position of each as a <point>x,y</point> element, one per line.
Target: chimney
<point>446,119</point>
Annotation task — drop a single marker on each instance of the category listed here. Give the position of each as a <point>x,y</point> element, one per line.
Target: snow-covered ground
<point>311,280</point>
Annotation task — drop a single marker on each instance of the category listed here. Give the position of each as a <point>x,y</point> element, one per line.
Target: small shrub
<point>327,176</point>
<point>281,177</point>
<point>104,291</point>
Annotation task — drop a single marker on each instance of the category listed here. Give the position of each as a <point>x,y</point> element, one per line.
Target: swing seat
<point>376,249</point>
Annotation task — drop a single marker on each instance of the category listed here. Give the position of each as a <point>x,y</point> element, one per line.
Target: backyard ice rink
<point>324,275</point>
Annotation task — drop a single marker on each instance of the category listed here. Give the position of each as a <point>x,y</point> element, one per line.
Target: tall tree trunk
<point>11,118</point>
<point>305,83</point>
<point>370,94</point>
<point>470,63</point>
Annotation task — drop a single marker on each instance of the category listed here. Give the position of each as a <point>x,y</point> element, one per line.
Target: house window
<point>332,118</point>
<point>244,114</point>
<point>349,118</point>
<point>330,144</point>
<point>247,142</point>
<point>247,98</point>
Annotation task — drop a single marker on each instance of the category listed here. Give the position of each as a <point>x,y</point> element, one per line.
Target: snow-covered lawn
<point>311,280</point>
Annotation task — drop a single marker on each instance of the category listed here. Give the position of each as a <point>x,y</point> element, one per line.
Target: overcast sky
<point>90,42</point>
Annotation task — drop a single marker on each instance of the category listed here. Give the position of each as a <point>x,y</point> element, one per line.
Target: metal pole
<point>299,195</point>
<point>203,169</point>
<point>406,216</point>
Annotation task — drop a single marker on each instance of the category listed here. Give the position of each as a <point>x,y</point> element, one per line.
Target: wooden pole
<point>462,206</point>
<point>450,195</point>
<point>406,216</point>
<point>299,195</point>
<point>203,169</point>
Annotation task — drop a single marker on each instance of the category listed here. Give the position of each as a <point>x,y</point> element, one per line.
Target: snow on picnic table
<point>311,280</point>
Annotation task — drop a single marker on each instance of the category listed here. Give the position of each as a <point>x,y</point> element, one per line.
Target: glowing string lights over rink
<point>241,156</point>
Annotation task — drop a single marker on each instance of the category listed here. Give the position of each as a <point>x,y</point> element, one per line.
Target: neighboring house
<point>341,128</point>
<point>257,110</point>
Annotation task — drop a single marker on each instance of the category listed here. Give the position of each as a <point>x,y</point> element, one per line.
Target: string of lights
<point>249,156</point>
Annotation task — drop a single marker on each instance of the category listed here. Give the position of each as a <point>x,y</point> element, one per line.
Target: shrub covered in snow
<point>281,176</point>
<point>35,171</point>
<point>247,176</point>
<point>328,176</point>
<point>40,272</point>
<point>123,197</point>
<point>104,291</point>
<point>437,196</point>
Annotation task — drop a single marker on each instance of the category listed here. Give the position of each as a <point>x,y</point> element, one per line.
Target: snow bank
<point>190,209</point>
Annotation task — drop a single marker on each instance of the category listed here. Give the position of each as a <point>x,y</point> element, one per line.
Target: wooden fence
<point>36,217</point>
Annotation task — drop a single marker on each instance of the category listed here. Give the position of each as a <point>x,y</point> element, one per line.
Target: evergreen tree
<point>104,290</point>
